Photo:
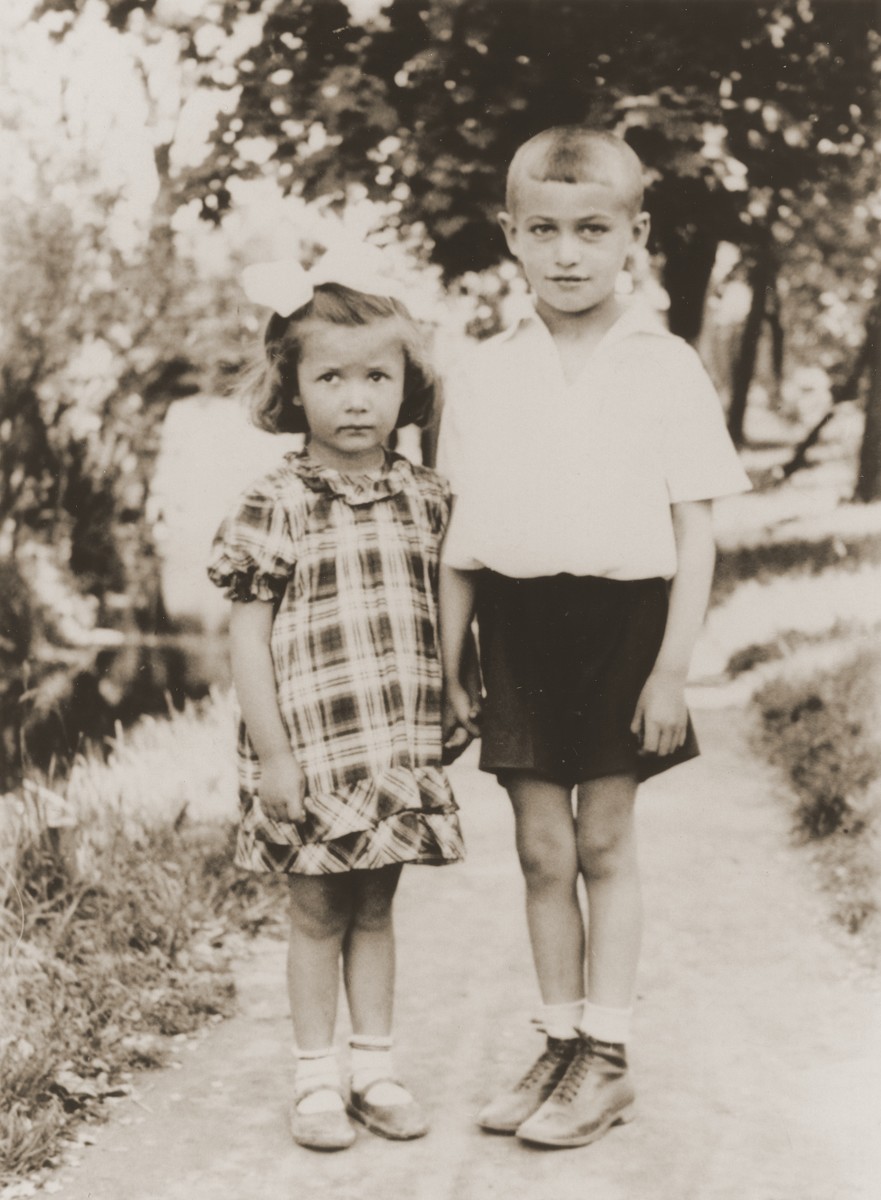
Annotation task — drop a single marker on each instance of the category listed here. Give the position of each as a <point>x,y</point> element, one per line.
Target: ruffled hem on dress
<point>429,838</point>
<point>357,808</point>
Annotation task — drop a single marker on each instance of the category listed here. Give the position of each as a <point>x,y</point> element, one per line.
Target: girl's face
<point>351,386</point>
<point>572,240</point>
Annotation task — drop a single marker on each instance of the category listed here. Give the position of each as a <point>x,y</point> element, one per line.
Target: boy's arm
<point>661,716</point>
<point>457,597</point>
<point>282,785</point>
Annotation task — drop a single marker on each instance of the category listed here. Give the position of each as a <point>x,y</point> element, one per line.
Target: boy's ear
<point>641,225</point>
<point>509,229</point>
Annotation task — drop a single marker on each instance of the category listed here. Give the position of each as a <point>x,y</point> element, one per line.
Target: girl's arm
<point>661,716</point>
<point>282,785</point>
<point>457,596</point>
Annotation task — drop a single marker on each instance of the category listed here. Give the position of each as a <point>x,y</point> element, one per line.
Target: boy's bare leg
<point>546,845</point>
<point>596,1091</point>
<point>606,840</point>
<point>548,858</point>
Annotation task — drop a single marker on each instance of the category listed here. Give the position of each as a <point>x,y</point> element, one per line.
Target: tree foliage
<point>735,108</point>
<point>757,123</point>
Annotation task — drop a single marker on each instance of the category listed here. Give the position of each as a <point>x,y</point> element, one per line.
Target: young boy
<point>584,446</point>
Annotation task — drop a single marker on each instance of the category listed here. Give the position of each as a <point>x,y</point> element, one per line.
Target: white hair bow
<point>284,286</point>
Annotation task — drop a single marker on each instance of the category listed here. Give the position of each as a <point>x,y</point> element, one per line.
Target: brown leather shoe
<point>507,1112</point>
<point>399,1122</point>
<point>328,1130</point>
<point>594,1094</point>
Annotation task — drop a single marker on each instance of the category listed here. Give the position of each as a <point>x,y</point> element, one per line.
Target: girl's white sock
<point>606,1024</point>
<point>318,1073</point>
<point>372,1060</point>
<point>561,1021</point>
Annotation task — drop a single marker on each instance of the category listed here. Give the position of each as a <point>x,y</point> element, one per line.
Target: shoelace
<point>546,1061</point>
<point>568,1086</point>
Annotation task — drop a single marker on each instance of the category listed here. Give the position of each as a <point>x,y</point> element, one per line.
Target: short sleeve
<point>454,551</point>
<point>253,555</point>
<point>700,461</point>
<point>452,441</point>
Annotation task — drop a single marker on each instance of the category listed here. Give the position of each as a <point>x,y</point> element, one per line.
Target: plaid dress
<point>351,566</point>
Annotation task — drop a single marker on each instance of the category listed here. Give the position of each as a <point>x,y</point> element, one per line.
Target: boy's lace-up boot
<point>507,1112</point>
<point>594,1094</point>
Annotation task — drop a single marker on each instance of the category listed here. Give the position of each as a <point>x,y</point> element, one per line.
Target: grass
<point>117,902</point>
<point>796,592</point>
<point>802,556</point>
<point>823,732</point>
<point>787,642</point>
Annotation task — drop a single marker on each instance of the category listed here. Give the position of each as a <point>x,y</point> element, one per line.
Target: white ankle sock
<point>318,1072</point>
<point>562,1020</point>
<point>372,1059</point>
<point>606,1024</point>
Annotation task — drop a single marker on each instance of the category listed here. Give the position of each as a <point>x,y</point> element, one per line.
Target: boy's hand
<point>282,788</point>
<point>661,718</point>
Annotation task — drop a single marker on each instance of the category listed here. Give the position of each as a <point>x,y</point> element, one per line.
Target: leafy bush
<point>113,933</point>
<point>824,733</point>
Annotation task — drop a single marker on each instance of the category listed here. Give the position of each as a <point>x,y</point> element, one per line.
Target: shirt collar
<point>638,317</point>
<point>354,489</point>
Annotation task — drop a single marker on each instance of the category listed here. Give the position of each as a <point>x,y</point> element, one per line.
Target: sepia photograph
<point>440,434</point>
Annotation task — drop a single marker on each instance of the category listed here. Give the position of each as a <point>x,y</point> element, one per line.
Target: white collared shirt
<point>554,477</point>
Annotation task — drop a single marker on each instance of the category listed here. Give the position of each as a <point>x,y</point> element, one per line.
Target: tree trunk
<point>869,474</point>
<point>761,279</point>
<point>686,276</point>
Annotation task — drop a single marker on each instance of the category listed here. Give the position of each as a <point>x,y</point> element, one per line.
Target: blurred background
<point>151,148</point>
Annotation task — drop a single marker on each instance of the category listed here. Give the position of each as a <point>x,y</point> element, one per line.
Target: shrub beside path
<point>758,1033</point>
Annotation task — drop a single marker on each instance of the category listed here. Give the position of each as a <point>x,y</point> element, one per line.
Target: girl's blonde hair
<point>271,383</point>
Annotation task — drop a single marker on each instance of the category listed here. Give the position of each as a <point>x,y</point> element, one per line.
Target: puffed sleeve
<point>253,553</point>
<point>700,462</point>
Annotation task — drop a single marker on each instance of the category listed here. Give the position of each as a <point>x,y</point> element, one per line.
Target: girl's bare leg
<point>545,832</point>
<point>320,913</point>
<point>606,839</point>
<point>384,1105</point>
<point>369,951</point>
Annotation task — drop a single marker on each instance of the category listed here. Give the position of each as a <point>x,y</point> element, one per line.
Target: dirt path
<point>757,1054</point>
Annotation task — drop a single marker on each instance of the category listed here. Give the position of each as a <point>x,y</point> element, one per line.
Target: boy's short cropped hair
<point>577,154</point>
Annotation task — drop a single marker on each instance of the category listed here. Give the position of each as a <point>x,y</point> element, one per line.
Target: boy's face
<point>572,240</point>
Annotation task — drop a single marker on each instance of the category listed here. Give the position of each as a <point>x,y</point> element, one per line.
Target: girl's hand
<point>460,723</point>
<point>460,708</point>
<point>282,788</point>
<point>661,718</point>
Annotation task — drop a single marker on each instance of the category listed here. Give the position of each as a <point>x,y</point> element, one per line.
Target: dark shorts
<point>564,659</point>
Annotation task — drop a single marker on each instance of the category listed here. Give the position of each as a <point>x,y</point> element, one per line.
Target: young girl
<point>331,564</point>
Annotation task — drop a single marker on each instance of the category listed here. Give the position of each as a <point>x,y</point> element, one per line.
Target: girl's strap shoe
<point>398,1122</point>
<point>327,1130</point>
